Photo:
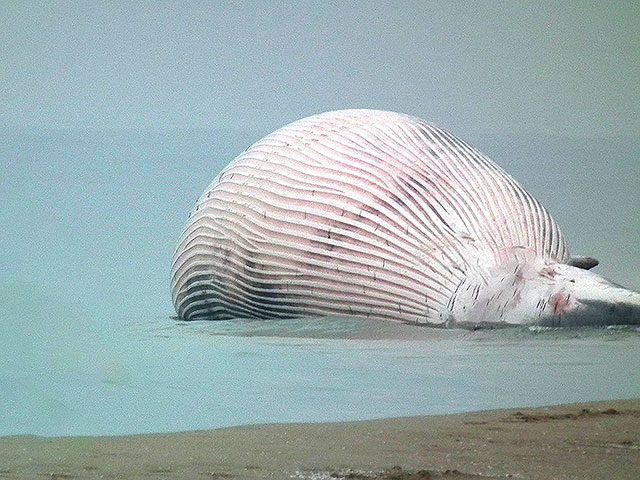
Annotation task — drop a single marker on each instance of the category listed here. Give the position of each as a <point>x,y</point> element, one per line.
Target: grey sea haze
<point>88,346</point>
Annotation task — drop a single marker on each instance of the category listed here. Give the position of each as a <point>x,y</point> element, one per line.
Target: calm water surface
<point>90,220</point>
<point>161,375</point>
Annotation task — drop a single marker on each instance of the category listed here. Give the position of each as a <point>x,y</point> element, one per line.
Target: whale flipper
<point>585,263</point>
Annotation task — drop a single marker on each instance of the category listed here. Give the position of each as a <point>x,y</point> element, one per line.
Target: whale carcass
<point>381,215</point>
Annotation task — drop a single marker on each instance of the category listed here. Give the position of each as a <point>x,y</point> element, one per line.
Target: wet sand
<point>591,440</point>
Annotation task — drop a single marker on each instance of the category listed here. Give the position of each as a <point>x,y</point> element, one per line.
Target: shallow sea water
<point>163,375</point>
<point>90,220</point>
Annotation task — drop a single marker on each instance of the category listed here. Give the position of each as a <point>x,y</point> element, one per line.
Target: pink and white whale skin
<point>381,215</point>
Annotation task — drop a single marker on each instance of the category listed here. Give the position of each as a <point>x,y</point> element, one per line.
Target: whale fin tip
<point>586,263</point>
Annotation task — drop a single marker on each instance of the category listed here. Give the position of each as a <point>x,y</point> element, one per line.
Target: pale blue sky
<point>566,68</point>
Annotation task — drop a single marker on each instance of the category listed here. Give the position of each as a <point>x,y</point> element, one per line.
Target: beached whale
<point>382,215</point>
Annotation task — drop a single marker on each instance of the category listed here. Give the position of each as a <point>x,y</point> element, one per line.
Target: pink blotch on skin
<point>559,303</point>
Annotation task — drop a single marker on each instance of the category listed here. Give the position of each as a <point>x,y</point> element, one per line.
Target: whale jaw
<point>542,293</point>
<point>594,301</point>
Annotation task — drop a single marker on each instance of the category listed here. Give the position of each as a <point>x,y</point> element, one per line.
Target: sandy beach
<point>587,440</point>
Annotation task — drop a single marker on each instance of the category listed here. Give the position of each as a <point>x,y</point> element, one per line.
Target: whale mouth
<point>597,312</point>
<point>584,298</point>
<point>615,313</point>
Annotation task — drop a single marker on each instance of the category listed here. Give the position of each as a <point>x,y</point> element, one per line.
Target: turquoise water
<point>159,375</point>
<point>88,347</point>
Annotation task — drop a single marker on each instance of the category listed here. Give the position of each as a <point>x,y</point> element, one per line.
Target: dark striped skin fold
<point>355,212</point>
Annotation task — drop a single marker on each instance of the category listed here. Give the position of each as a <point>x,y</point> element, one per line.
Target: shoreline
<point>578,440</point>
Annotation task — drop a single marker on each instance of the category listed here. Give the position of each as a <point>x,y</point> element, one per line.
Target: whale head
<point>576,297</point>
<point>545,293</point>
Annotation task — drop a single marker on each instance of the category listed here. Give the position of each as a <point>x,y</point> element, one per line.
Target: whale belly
<point>359,213</point>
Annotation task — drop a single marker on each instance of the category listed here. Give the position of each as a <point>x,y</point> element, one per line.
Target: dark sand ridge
<point>590,440</point>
